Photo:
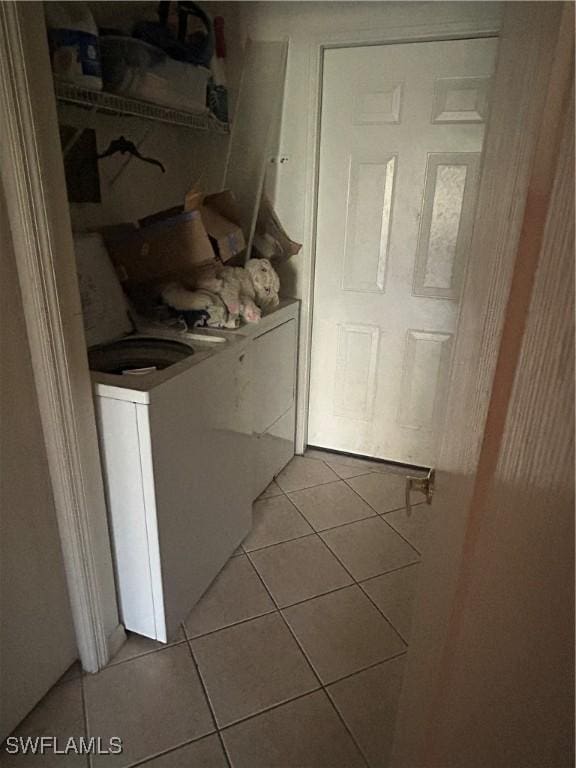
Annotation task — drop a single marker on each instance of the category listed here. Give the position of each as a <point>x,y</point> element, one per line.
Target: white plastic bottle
<point>74,47</point>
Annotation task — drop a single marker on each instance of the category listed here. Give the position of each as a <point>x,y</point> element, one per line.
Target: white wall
<point>131,189</point>
<point>37,641</point>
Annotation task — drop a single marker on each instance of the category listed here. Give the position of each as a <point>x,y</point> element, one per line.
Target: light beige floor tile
<point>328,505</point>
<point>383,491</point>
<point>272,490</point>
<point>304,473</point>
<point>252,666</point>
<point>306,733</point>
<point>137,645</point>
<point>73,672</point>
<point>59,714</point>
<point>299,569</point>
<point>339,458</point>
<point>342,633</point>
<point>236,594</point>
<point>369,548</point>
<point>414,528</point>
<point>275,520</point>
<point>317,453</point>
<point>205,753</point>
<point>394,594</point>
<point>346,471</point>
<point>153,703</point>
<point>368,702</point>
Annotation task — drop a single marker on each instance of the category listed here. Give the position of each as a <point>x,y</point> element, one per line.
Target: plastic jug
<point>74,47</point>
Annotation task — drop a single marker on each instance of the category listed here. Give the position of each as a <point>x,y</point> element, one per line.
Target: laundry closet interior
<point>270,205</point>
<point>194,390</point>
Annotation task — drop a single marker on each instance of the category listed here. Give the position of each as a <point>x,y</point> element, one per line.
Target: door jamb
<point>41,234</point>
<point>388,36</point>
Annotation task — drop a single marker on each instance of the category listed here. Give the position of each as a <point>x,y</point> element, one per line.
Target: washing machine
<point>174,416</point>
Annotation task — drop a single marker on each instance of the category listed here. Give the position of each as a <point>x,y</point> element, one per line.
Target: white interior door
<point>401,135</point>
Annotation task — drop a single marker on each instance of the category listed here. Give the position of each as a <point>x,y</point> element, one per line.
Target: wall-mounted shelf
<point>113,104</point>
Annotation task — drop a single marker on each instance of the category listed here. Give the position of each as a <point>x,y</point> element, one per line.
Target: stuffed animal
<point>230,294</point>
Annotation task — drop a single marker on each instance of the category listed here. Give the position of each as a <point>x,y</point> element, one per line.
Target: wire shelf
<point>113,104</point>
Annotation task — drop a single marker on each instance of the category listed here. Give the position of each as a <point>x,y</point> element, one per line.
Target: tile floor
<point>292,659</point>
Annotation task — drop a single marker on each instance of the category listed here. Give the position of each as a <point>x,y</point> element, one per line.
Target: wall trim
<point>317,46</point>
<point>34,234</point>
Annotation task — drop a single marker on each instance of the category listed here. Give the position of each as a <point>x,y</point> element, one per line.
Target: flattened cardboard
<point>177,241</point>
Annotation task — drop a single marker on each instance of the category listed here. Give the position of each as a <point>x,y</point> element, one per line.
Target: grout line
<point>331,528</point>
<point>271,708</point>
<point>139,655</point>
<point>353,477</point>
<point>278,543</point>
<point>282,542</point>
<point>149,758</point>
<point>207,697</point>
<point>278,608</point>
<point>323,687</point>
<point>233,624</point>
<point>381,612</point>
<point>350,522</point>
<point>316,675</point>
<point>381,515</point>
<point>340,716</point>
<point>299,511</point>
<point>85,719</point>
<point>357,584</point>
<point>387,573</point>
<point>375,664</point>
<point>347,728</point>
<point>314,672</point>
<point>309,599</point>
<point>316,485</point>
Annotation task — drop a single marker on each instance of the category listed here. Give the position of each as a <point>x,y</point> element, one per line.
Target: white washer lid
<point>104,305</point>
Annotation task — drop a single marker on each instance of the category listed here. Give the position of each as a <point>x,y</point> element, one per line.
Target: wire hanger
<point>123,146</point>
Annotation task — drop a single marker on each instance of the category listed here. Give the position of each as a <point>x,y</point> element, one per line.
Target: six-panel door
<point>401,136</point>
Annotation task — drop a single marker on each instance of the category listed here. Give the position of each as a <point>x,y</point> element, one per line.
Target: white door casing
<point>401,135</point>
<point>37,207</point>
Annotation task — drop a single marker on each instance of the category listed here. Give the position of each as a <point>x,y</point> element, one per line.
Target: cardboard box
<point>222,222</point>
<point>176,242</point>
<point>270,239</point>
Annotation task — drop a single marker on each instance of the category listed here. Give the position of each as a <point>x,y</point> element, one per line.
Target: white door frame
<point>33,177</point>
<point>317,46</point>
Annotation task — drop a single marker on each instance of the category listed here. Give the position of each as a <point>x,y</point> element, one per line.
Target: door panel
<point>401,135</point>
<point>369,209</point>
<point>446,224</point>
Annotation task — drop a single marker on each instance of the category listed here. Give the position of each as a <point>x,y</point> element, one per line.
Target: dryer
<point>174,420</point>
